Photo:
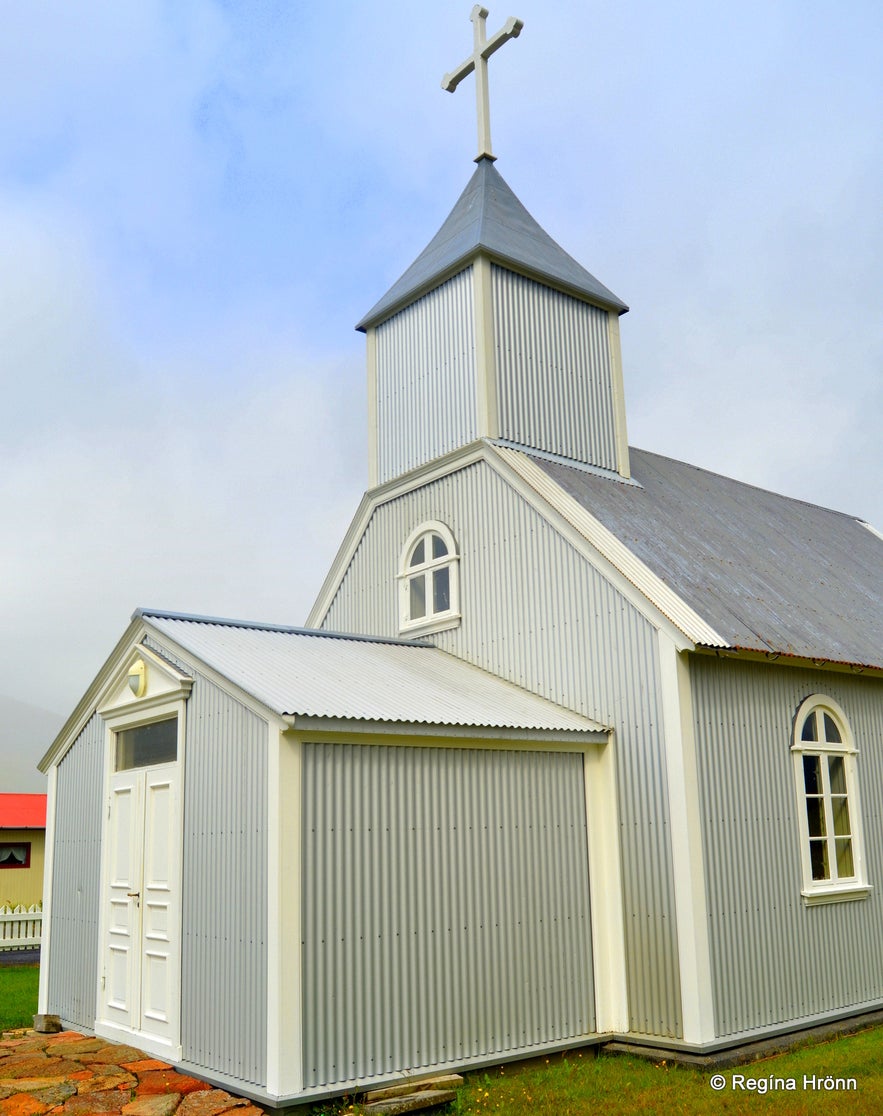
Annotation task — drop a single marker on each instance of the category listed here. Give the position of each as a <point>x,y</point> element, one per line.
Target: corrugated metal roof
<point>299,672</point>
<point>22,811</point>
<point>489,216</point>
<point>622,557</point>
<point>767,572</point>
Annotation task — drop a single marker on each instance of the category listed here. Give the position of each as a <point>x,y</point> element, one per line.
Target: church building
<point>579,743</point>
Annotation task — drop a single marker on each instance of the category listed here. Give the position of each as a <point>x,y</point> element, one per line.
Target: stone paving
<point>70,1074</point>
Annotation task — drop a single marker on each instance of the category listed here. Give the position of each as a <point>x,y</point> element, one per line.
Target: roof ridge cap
<point>264,626</point>
<point>485,165</point>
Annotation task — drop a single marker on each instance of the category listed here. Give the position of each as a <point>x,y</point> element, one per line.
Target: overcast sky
<point>198,200</point>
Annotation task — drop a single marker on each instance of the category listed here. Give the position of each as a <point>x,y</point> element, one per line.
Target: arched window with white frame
<point>429,580</point>
<point>826,775</point>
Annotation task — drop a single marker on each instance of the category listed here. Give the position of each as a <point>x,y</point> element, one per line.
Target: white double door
<point>141,947</point>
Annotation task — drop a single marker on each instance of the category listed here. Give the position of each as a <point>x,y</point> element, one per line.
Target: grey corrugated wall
<point>555,380</point>
<point>224,940</point>
<point>76,879</point>
<point>446,907</point>
<point>426,378</point>
<point>774,960</point>
<point>535,612</point>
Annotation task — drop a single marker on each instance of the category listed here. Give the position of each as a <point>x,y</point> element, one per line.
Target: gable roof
<point>22,811</point>
<point>489,217</point>
<point>767,572</point>
<point>301,672</point>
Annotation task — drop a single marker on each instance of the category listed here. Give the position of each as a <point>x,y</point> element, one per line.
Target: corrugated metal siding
<point>426,378</point>
<point>76,879</point>
<point>554,373</point>
<point>446,907</point>
<point>535,612</point>
<point>224,941</point>
<point>773,959</point>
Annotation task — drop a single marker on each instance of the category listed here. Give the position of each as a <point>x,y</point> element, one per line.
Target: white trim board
<point>649,584</point>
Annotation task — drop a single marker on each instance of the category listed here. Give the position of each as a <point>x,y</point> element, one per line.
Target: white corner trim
<point>275,888</point>
<point>371,355</point>
<point>486,408</point>
<point>621,435</point>
<point>685,828</point>
<point>284,977</point>
<point>605,887</point>
<point>660,595</point>
<point>48,868</point>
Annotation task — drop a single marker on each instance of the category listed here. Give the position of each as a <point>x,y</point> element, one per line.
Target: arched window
<point>827,791</point>
<point>429,580</point>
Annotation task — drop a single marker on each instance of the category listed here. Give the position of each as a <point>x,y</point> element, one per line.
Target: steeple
<point>489,218</point>
<point>494,331</point>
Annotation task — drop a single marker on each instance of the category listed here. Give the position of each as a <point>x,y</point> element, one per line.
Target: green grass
<point>579,1084</point>
<point>18,995</point>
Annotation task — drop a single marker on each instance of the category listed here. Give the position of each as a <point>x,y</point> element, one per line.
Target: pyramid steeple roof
<point>489,218</point>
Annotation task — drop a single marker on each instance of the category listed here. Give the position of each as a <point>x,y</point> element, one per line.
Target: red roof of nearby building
<point>22,811</point>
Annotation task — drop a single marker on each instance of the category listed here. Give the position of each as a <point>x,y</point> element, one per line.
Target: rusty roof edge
<point>756,654</point>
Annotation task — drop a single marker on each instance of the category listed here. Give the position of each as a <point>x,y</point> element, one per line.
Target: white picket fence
<point>21,927</point>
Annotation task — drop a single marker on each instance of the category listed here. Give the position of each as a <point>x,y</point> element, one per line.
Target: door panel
<point>141,957</point>
<point>158,949</point>
<point>123,917</point>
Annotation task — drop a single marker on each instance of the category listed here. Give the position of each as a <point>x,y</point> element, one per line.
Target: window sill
<point>433,624</point>
<point>836,895</point>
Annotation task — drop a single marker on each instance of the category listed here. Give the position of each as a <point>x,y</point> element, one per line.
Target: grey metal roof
<point>769,573</point>
<point>300,672</point>
<point>489,217</point>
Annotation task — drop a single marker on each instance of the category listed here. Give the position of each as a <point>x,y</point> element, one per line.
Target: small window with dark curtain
<point>15,855</point>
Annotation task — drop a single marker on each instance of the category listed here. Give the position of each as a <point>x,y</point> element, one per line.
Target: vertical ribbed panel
<point>555,379</point>
<point>446,907</point>
<point>426,378</point>
<point>224,940</point>
<point>76,877</point>
<point>774,960</point>
<point>537,613</point>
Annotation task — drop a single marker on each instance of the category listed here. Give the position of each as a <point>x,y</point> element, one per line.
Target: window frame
<point>432,620</point>
<point>121,747</point>
<point>14,866</point>
<point>834,888</point>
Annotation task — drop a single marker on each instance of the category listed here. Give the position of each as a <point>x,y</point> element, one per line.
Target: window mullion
<point>828,807</point>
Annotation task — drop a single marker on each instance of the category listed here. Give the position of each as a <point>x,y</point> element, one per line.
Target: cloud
<point>219,479</point>
<point>198,200</point>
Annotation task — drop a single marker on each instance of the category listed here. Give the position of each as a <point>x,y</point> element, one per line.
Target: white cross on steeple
<point>477,61</point>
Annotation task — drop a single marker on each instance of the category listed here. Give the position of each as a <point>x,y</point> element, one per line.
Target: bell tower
<point>494,331</point>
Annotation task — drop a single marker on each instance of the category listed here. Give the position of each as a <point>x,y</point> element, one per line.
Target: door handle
<point>136,895</point>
